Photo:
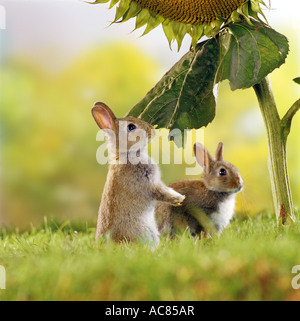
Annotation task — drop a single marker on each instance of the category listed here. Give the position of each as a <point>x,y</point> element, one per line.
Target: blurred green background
<point>57,59</point>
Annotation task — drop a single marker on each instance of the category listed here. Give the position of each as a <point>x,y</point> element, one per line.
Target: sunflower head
<point>197,18</point>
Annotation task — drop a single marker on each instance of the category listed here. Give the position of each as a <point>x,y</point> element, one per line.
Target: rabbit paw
<point>178,200</point>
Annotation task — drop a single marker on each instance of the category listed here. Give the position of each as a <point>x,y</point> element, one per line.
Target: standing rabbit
<point>214,194</point>
<point>133,185</point>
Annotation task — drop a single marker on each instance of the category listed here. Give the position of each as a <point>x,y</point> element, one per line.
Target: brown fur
<point>206,194</point>
<point>131,191</point>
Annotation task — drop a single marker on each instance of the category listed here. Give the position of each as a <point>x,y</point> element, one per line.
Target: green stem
<point>286,121</point>
<point>277,132</point>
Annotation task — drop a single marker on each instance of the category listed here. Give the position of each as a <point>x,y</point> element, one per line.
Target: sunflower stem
<point>277,132</point>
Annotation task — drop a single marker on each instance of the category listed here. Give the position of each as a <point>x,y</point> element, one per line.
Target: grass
<point>252,260</point>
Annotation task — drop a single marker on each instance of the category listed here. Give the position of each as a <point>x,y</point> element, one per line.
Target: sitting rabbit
<point>133,184</point>
<point>213,195</point>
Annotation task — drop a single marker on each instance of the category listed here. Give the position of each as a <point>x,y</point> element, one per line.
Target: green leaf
<point>179,31</point>
<point>297,80</point>
<point>134,10</point>
<point>99,1</point>
<point>153,22</point>
<point>142,18</point>
<point>184,98</point>
<point>113,3</point>
<point>243,10</point>
<point>168,30</point>
<point>250,53</point>
<point>121,9</point>
<point>196,32</point>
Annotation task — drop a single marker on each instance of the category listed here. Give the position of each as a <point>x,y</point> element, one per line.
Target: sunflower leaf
<point>134,10</point>
<point>99,1</point>
<point>142,18</point>
<point>168,30</point>
<point>113,3</point>
<point>184,98</point>
<point>121,9</point>
<point>250,53</point>
<point>179,31</point>
<point>196,32</point>
<point>297,80</point>
<point>153,22</point>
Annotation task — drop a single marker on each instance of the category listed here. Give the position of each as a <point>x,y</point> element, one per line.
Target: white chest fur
<point>222,217</point>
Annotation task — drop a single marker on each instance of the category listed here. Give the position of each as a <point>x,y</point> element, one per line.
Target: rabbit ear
<point>103,116</point>
<point>202,155</point>
<point>219,152</point>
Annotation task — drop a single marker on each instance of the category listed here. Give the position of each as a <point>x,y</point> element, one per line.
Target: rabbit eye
<point>222,172</point>
<point>131,127</point>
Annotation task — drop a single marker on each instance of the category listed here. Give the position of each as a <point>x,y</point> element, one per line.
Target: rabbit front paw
<point>177,200</point>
